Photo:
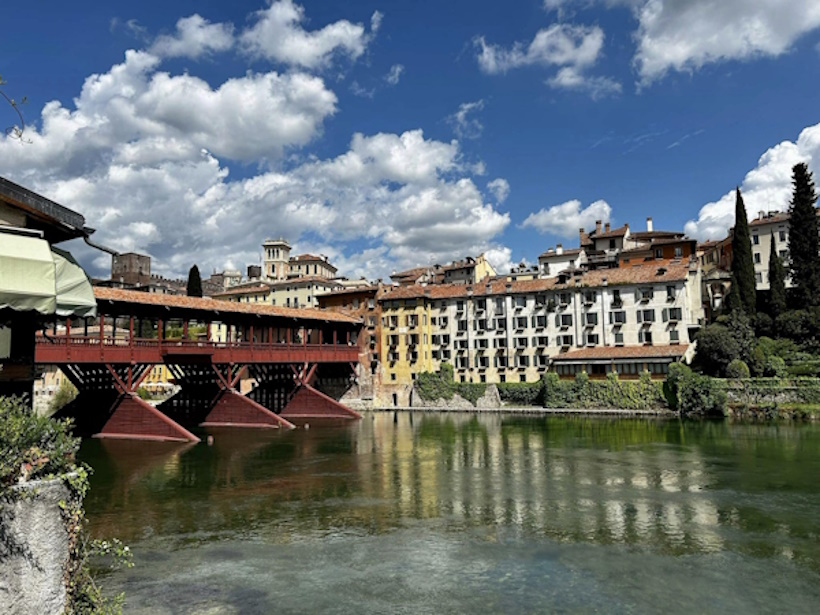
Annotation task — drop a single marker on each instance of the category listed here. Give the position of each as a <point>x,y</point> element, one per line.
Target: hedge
<point>442,385</point>
<point>644,394</point>
<point>522,393</point>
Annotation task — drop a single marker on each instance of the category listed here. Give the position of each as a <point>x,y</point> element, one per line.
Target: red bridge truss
<point>208,346</point>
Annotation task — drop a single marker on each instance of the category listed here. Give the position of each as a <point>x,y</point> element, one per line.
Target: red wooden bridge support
<point>308,403</point>
<point>128,416</point>
<point>231,409</point>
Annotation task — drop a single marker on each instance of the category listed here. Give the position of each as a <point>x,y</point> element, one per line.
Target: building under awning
<point>34,277</point>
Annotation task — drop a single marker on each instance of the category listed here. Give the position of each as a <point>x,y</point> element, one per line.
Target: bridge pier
<point>127,415</point>
<point>230,408</point>
<point>308,403</point>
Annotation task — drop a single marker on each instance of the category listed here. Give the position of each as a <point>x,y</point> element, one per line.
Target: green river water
<point>458,513</point>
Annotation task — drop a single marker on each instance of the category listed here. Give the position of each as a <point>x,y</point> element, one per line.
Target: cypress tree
<point>777,283</point>
<point>803,243</point>
<point>732,300</point>
<point>194,283</point>
<point>743,268</point>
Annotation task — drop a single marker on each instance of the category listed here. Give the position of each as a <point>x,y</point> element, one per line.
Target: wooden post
<point>131,331</point>
<point>160,331</point>
<point>185,330</point>
<point>102,330</point>
<point>250,334</point>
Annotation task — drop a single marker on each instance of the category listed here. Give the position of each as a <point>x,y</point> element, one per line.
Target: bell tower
<point>276,259</point>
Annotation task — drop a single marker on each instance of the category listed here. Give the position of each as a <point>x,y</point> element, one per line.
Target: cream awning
<point>75,296</point>
<point>36,277</point>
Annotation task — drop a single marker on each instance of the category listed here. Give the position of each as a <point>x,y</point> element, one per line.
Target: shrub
<point>775,367</point>
<point>738,370</point>
<point>64,396</point>
<point>442,385</point>
<point>610,393</point>
<point>702,396</point>
<point>677,374</point>
<point>32,446</point>
<point>522,393</point>
<point>717,347</point>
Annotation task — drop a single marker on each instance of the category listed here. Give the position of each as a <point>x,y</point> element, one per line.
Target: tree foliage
<point>777,283</point>
<point>194,283</point>
<point>743,268</point>
<point>803,241</point>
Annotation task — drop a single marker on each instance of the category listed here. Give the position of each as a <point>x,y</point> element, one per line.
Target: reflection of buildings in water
<point>483,471</point>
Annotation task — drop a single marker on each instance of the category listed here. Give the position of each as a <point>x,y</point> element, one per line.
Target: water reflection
<point>668,487</point>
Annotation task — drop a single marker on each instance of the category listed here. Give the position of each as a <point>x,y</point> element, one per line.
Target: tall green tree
<point>803,242</point>
<point>743,268</point>
<point>194,283</point>
<point>777,282</point>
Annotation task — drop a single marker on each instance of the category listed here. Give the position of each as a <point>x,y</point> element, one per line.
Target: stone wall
<point>34,545</point>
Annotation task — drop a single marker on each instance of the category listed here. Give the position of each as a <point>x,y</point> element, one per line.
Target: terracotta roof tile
<point>195,303</point>
<point>618,232</point>
<point>244,289</point>
<point>615,353</point>
<point>548,254</point>
<point>673,271</point>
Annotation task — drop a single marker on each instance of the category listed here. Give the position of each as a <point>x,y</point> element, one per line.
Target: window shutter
<point>640,316</point>
<point>665,314</point>
<point>557,320</point>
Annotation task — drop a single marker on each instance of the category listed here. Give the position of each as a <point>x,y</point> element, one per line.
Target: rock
<point>34,545</point>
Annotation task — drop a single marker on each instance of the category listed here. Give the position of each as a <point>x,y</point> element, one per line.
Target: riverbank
<point>535,410</point>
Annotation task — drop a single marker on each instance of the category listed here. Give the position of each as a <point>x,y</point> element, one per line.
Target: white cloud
<point>278,35</point>
<point>394,74</point>
<point>501,259</point>
<point>767,187</point>
<point>500,188</point>
<point>571,49</point>
<point>194,38</point>
<point>565,219</point>
<point>684,36</point>
<point>145,156</point>
<point>465,126</point>
<point>558,45</point>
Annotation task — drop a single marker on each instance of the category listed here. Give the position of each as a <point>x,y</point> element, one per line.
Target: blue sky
<point>389,135</point>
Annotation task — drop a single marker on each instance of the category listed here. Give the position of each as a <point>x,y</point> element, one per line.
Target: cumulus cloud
<point>684,36</point>
<point>394,74</point>
<point>767,187</point>
<point>565,219</point>
<point>465,126</point>
<point>571,49</point>
<point>500,188</point>
<point>279,35</point>
<point>194,37</point>
<point>146,155</point>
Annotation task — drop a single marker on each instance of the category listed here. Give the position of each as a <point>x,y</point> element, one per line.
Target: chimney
<point>761,214</point>
<point>606,227</point>
<point>649,225</point>
<point>581,235</point>
<point>559,249</point>
<point>597,227</point>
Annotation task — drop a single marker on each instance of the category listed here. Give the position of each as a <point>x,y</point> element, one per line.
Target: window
<point>784,254</point>
<point>521,322</point>
<point>617,318</point>
<point>443,322</point>
<point>758,277</point>
<point>480,324</point>
<point>593,340</point>
<point>371,304</point>
<point>670,293</point>
<point>645,294</point>
<point>541,341</point>
<point>523,361</point>
<point>459,306</point>
<point>522,378</point>
<point>462,325</point>
<point>393,340</point>
<point>412,321</point>
<point>616,298</point>
<point>565,340</point>
<point>501,324</point>
<point>645,337</point>
<point>500,342</point>
<point>520,302</point>
<point>500,361</point>
<point>462,344</point>
<point>674,336</point>
<point>589,297</point>
<point>483,378</point>
<point>658,252</point>
<point>393,377</point>
<point>755,240</point>
<point>539,322</point>
<point>672,314</point>
<point>462,362</point>
<point>499,305</point>
<point>645,316</point>
<point>502,378</point>
<point>521,342</point>
<point>481,304</point>
<point>619,339</point>
<point>482,362</point>
<point>564,299</point>
<point>782,235</point>
<point>591,320</point>
<point>611,244</point>
<point>482,344</point>
<point>678,252</point>
<point>757,258</point>
<point>563,320</point>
